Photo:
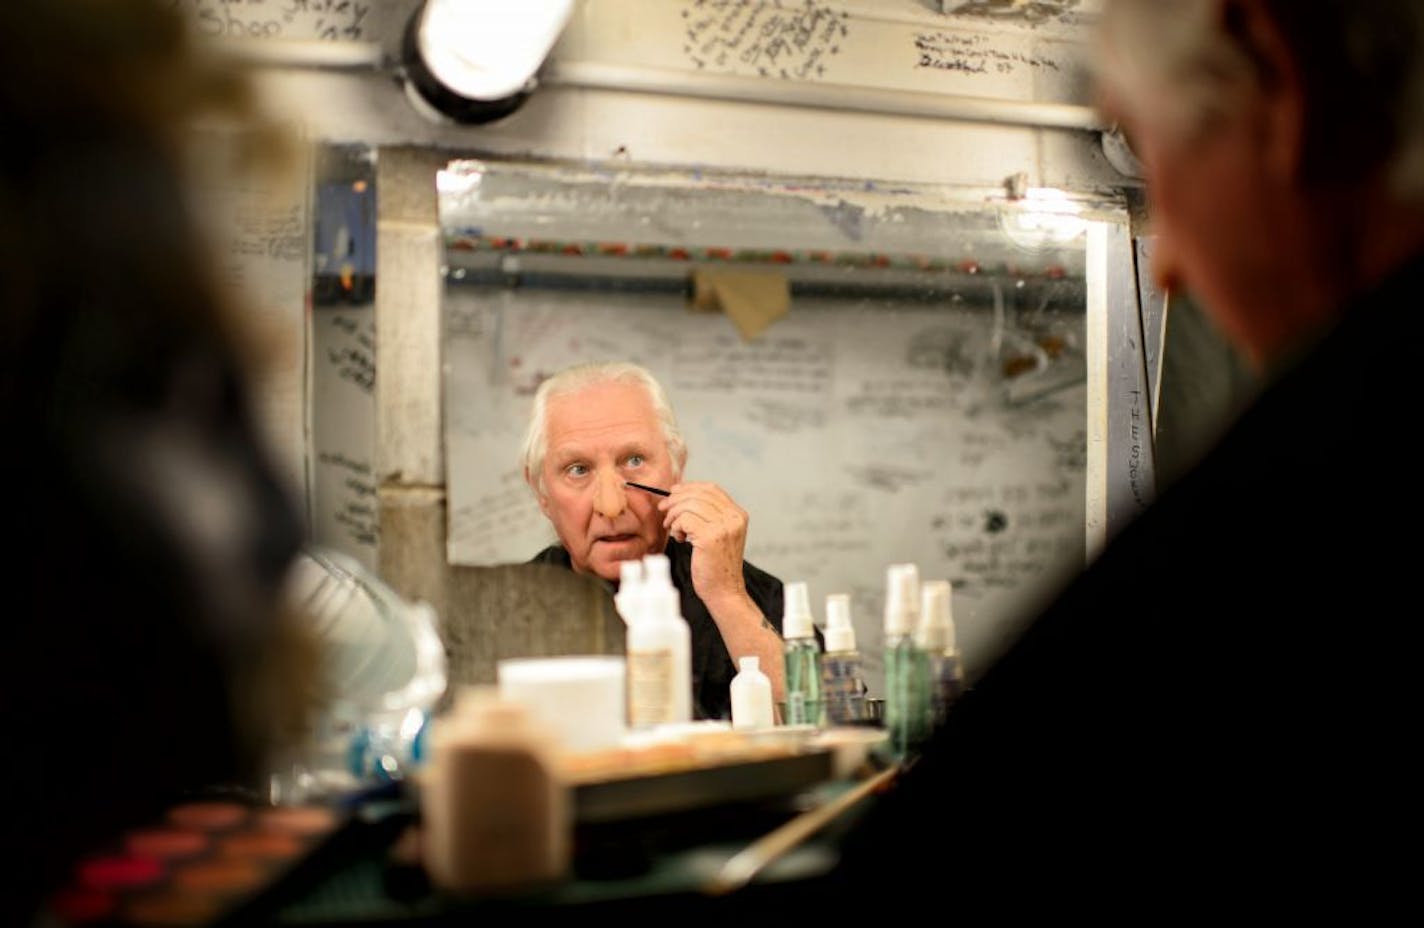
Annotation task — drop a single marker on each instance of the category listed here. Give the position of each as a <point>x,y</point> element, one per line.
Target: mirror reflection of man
<point>594,428</point>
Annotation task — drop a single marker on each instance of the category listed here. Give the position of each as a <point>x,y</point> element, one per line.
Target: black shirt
<point>712,667</point>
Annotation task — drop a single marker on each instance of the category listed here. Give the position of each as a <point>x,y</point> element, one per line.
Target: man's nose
<point>610,496</point>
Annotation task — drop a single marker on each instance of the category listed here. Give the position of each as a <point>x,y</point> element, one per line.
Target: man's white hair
<point>1184,62</point>
<point>580,377</point>
<point>1169,58</point>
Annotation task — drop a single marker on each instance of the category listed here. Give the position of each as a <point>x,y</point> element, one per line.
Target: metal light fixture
<point>474,61</point>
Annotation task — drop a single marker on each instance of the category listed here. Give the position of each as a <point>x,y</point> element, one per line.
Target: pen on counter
<point>644,486</point>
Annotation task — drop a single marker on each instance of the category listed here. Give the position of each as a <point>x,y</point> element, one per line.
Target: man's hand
<point>707,517</point>
<point>703,514</point>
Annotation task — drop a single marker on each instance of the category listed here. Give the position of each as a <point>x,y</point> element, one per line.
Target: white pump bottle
<point>659,649</point>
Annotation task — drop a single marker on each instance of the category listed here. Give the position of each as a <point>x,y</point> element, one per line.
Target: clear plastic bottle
<point>906,669</point>
<point>751,696</point>
<point>842,675</point>
<point>382,670</point>
<point>659,648</point>
<point>803,658</point>
<point>936,637</point>
<point>496,813</point>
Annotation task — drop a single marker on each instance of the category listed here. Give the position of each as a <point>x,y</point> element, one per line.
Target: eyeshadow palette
<point>203,863</point>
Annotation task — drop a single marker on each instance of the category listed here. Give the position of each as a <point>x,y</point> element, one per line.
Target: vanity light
<point>1042,218</point>
<point>474,61</point>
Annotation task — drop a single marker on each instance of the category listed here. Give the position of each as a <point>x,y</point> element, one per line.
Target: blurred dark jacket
<point>1218,714</point>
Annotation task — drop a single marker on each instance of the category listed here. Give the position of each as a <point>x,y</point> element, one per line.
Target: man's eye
<point>576,470</point>
<point>634,460</point>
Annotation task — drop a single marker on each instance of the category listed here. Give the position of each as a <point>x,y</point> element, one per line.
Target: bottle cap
<point>840,633</point>
<point>936,631</point>
<point>659,595</point>
<point>796,611</point>
<point>902,599</point>
<point>749,664</point>
<point>629,599</point>
<point>482,705</point>
<point>657,568</point>
<point>629,571</point>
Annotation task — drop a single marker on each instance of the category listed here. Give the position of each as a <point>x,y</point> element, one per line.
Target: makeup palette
<point>202,863</point>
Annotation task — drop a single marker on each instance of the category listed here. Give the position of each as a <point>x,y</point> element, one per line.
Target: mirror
<point>923,399</point>
<point>343,352</point>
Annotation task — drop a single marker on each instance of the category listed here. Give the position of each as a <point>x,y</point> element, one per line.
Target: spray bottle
<point>906,668</point>
<point>936,637</point>
<point>803,658</point>
<point>842,680</point>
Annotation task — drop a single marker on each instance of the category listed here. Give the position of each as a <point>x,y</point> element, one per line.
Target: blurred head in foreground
<point>1283,147</point>
<point>141,634</point>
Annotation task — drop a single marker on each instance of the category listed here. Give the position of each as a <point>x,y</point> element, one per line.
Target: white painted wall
<point>629,77</point>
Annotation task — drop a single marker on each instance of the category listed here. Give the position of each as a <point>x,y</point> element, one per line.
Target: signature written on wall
<point>278,19</point>
<point>354,361</point>
<point>969,53</point>
<point>1025,11</point>
<point>765,37</point>
<point>356,504</point>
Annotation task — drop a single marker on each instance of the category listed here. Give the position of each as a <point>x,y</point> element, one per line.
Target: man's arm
<point>716,527</point>
<point>745,631</point>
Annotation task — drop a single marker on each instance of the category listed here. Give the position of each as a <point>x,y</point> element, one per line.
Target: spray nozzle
<point>840,633</point>
<point>936,631</point>
<point>631,591</point>
<point>658,590</point>
<point>796,612</point>
<point>902,599</point>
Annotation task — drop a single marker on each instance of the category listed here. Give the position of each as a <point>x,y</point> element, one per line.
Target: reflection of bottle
<point>936,637</point>
<point>496,815</point>
<point>842,683</point>
<point>751,696</point>
<point>803,658</point>
<point>906,670</point>
<point>659,645</point>
<point>382,666</point>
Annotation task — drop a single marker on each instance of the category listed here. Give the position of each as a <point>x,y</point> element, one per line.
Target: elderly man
<point>593,429</point>
<point>1215,716</point>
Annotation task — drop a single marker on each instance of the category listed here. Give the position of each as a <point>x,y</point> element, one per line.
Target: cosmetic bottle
<point>751,696</point>
<point>842,675</point>
<point>906,668</point>
<point>659,649</point>
<point>936,637</point>
<point>495,812</point>
<point>803,658</point>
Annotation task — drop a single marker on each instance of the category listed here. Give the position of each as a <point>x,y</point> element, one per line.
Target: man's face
<point>1232,224</point>
<point>598,438</point>
<point>1216,216</point>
